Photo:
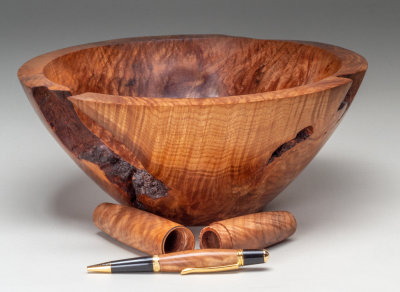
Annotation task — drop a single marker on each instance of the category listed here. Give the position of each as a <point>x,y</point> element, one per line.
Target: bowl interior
<point>191,67</point>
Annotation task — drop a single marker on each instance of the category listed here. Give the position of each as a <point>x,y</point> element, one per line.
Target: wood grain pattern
<point>194,128</point>
<point>252,231</point>
<point>142,230</point>
<point>197,259</point>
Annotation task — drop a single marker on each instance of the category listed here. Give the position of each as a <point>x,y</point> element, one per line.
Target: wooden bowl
<point>193,128</point>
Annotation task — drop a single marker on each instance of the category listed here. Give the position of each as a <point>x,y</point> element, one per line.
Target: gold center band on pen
<point>240,257</point>
<point>156,264</point>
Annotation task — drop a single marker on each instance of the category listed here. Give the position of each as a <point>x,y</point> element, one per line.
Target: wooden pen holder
<point>142,230</point>
<point>251,231</point>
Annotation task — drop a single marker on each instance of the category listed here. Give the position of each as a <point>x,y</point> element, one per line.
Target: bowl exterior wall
<point>200,198</point>
<point>197,164</point>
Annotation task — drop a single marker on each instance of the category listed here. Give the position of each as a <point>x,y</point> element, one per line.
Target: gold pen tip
<point>99,268</point>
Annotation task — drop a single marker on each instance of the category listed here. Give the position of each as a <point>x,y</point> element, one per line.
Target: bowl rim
<point>31,75</point>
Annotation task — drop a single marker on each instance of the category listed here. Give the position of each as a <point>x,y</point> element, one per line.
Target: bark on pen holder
<point>193,128</point>
<point>142,230</point>
<point>253,231</point>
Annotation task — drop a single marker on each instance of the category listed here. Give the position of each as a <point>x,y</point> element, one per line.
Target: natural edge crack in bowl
<point>193,128</point>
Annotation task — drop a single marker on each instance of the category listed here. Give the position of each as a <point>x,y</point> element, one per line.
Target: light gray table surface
<point>347,201</point>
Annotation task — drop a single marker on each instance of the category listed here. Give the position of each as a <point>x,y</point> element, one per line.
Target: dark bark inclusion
<point>300,137</point>
<point>144,183</point>
<point>350,93</point>
<point>61,117</point>
<point>116,169</point>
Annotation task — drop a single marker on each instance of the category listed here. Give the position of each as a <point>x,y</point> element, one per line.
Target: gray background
<point>346,201</point>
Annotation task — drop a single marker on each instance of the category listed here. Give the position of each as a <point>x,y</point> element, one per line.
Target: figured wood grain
<point>194,128</point>
<point>142,230</point>
<point>252,231</point>
<point>197,259</point>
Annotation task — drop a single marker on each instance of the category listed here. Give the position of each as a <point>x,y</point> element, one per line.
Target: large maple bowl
<point>193,128</point>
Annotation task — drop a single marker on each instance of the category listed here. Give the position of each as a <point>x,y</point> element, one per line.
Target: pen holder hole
<point>210,240</point>
<point>178,239</point>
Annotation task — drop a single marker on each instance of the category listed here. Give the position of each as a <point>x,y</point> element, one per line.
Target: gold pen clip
<point>210,269</point>
<point>217,268</point>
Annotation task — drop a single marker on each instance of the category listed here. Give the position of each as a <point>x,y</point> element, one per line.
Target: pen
<point>186,262</point>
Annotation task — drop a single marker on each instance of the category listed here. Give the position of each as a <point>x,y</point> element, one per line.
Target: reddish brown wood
<point>193,128</point>
<point>142,230</point>
<point>253,231</point>
<point>197,259</point>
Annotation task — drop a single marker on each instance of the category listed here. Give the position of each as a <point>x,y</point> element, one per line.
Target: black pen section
<point>142,264</point>
<point>252,257</point>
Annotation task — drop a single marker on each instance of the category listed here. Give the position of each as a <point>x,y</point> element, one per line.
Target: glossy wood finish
<point>253,231</point>
<point>142,230</point>
<point>197,259</point>
<point>194,128</point>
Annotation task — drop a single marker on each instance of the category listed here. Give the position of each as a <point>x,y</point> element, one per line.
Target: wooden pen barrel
<point>197,259</point>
